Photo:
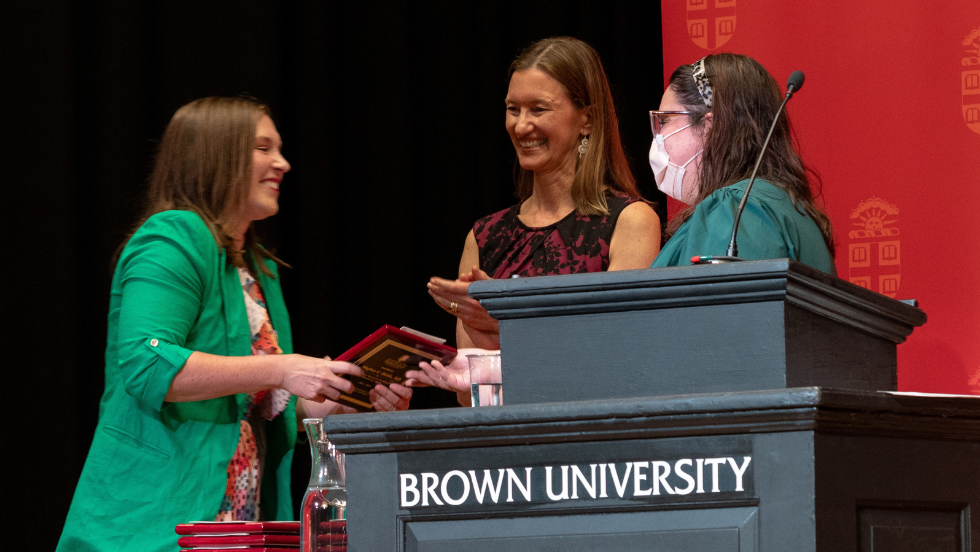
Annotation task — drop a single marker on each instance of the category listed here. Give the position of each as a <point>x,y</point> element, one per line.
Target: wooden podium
<point>728,447</point>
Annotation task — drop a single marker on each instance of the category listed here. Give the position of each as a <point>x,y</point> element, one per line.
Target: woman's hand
<point>390,398</point>
<point>454,376</point>
<point>474,326</point>
<point>450,293</point>
<point>383,398</point>
<point>316,379</point>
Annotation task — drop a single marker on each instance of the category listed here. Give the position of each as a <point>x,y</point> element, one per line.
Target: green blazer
<point>770,228</point>
<point>155,464</point>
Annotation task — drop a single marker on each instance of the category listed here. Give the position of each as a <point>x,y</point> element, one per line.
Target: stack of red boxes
<point>250,536</point>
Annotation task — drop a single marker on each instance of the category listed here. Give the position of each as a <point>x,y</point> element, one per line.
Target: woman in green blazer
<point>710,128</point>
<point>199,361</point>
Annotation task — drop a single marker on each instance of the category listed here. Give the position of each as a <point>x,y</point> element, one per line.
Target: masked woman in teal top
<point>202,391</point>
<point>710,128</point>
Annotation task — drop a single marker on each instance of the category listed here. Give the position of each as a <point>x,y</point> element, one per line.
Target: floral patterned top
<point>241,501</point>
<point>575,244</point>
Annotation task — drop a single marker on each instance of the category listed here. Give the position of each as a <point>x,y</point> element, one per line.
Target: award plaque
<point>385,356</point>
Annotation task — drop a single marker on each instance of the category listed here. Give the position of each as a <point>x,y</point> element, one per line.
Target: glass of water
<point>486,385</point>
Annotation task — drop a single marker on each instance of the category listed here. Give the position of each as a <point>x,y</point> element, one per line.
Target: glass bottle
<point>324,513</point>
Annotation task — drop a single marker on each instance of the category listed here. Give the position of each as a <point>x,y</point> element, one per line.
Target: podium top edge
<point>813,400</point>
<point>729,279</point>
<point>667,276</point>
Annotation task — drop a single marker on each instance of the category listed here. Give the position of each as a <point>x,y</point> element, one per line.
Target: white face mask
<point>669,176</point>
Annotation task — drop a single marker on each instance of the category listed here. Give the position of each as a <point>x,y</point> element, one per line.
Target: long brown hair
<point>576,66</point>
<point>745,101</point>
<point>204,165</point>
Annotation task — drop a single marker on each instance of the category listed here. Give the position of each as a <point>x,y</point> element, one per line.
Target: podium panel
<point>795,469</point>
<point>695,329</point>
<point>720,530</point>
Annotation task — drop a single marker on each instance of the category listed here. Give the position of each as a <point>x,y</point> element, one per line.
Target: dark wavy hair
<point>746,99</point>
<point>576,66</point>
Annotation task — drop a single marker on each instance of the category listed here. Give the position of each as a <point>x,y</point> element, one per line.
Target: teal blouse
<point>155,464</point>
<point>770,228</point>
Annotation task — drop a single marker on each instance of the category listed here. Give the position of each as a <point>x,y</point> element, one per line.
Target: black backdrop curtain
<point>391,115</point>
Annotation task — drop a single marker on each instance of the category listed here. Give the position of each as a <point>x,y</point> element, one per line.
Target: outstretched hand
<point>454,376</point>
<point>317,379</point>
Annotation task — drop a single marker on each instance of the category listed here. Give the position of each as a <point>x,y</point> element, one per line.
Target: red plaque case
<point>385,356</point>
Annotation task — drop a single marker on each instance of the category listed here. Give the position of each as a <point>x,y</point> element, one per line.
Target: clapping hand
<point>452,295</point>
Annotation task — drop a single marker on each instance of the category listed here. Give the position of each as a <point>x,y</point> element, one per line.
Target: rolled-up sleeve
<point>162,286</point>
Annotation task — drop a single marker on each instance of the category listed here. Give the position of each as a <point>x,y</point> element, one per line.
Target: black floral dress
<point>576,243</point>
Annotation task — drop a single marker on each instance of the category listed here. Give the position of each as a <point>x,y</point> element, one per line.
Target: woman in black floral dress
<point>579,210</point>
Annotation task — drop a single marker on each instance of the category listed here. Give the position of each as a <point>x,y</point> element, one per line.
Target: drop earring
<point>583,146</point>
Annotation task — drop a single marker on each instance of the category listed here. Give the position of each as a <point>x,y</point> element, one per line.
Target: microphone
<point>793,84</point>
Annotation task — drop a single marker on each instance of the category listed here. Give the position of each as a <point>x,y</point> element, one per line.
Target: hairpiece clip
<point>701,80</point>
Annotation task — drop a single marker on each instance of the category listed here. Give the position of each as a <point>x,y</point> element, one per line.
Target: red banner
<point>890,119</point>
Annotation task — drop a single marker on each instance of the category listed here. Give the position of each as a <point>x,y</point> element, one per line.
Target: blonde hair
<point>576,66</point>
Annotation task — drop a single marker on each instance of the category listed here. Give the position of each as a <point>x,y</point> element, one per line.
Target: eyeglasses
<point>658,119</point>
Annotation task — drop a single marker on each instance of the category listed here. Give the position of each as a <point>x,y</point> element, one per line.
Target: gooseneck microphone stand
<point>793,84</point>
